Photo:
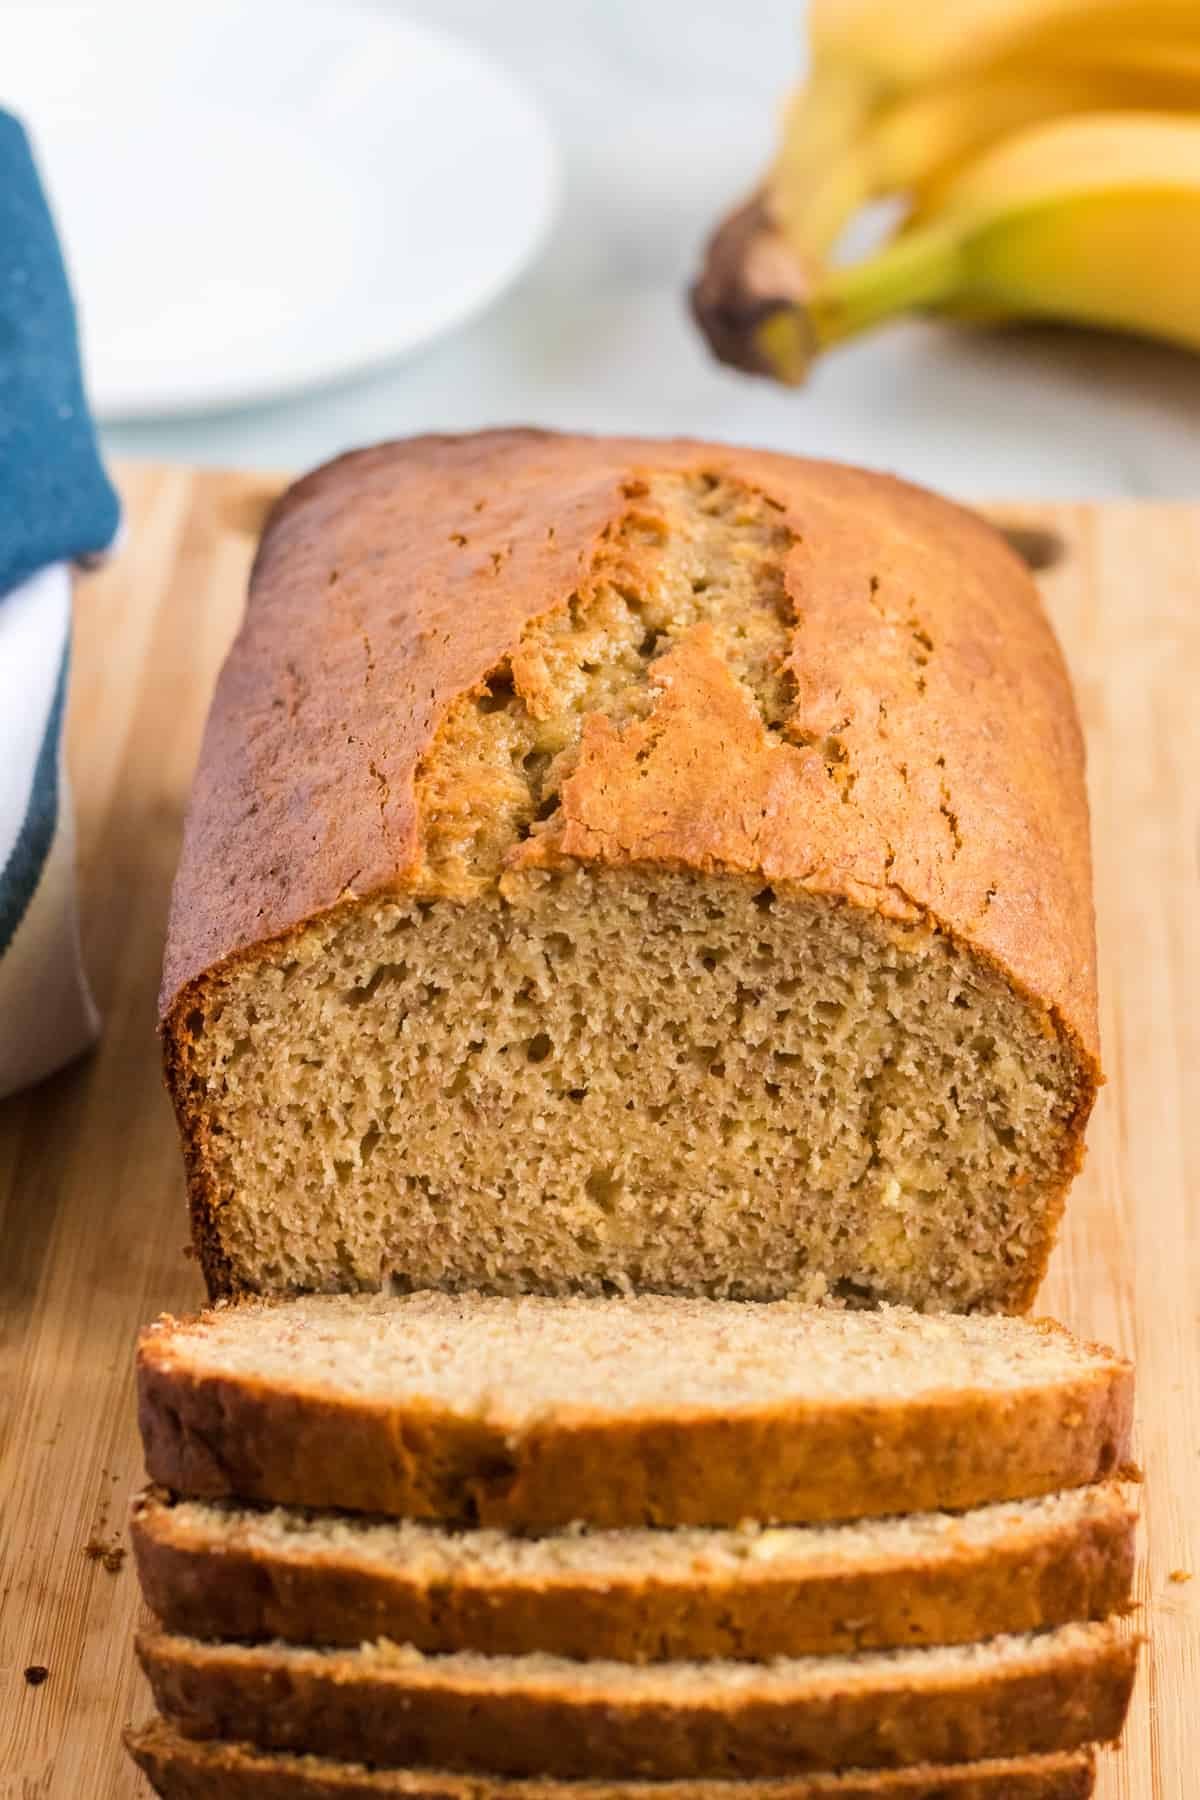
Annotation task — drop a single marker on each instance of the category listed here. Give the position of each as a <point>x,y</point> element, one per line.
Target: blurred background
<point>294,229</point>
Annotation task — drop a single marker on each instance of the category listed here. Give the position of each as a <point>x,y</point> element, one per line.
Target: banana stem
<point>918,269</point>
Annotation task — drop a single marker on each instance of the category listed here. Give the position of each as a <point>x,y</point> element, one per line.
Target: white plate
<point>258,197</point>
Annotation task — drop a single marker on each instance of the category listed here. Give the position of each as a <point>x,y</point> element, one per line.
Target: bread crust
<point>551,1722</point>
<point>202,1583</point>
<point>393,581</point>
<point>184,1769</point>
<point>221,1436</point>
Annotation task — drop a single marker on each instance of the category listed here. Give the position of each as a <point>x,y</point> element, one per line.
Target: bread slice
<point>618,865</point>
<point>180,1768</point>
<point>218,1569</point>
<point>534,1413</point>
<point>541,1715</point>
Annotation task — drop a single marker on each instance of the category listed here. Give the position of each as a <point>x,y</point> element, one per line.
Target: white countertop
<point>664,112</point>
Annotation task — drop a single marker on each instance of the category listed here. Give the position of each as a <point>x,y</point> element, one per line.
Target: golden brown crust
<point>213,1584</point>
<point>240,1436</point>
<point>407,1709</point>
<point>181,1768</point>
<point>393,581</point>
<point>353,648</point>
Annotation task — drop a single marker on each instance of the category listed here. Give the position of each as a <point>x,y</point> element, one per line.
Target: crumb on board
<point>110,1555</point>
<point>1180,1575</point>
<point>36,1673</point>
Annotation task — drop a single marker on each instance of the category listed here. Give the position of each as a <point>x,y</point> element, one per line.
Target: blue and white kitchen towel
<point>56,508</point>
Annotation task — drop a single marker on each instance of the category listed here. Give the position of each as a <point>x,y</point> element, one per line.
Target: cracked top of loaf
<point>466,660</point>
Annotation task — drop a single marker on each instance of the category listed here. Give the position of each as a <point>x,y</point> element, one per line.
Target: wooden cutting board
<point>91,1196</point>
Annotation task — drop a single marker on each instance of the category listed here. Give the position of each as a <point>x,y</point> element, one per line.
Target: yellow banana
<point>893,46</point>
<point>1093,219</point>
<point>891,99</point>
<point>916,145</point>
<point>904,97</point>
<point>1136,56</point>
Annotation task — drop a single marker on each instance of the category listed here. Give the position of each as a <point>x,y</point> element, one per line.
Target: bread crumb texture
<point>715,1683</point>
<point>752,1553</point>
<point>727,932</point>
<point>1051,1691</point>
<point>515,1362</point>
<point>224,1569</point>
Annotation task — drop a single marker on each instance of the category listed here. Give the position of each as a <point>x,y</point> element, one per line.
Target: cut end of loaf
<point>624,1080</point>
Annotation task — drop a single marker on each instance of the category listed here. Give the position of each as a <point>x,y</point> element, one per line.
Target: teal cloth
<point>56,502</point>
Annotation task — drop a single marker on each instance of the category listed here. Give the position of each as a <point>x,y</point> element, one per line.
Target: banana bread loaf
<point>618,864</point>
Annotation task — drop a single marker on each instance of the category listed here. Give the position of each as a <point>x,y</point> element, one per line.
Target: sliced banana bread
<point>625,865</point>
<point>180,1768</point>
<point>219,1569</point>
<point>535,1413</point>
<point>541,1715</point>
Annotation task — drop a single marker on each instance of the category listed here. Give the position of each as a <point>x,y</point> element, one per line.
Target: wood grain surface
<point>92,1222</point>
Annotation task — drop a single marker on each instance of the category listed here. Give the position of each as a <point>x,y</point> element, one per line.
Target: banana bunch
<point>1046,154</point>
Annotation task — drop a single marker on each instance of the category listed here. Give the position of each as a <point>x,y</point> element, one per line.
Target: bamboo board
<point>92,1224</point>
